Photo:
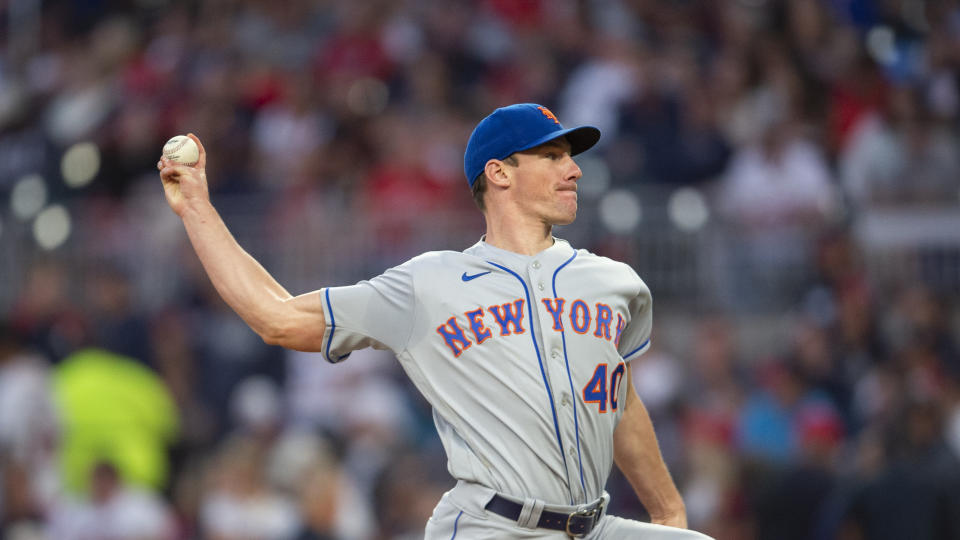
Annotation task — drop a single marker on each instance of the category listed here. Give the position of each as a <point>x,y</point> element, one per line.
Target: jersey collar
<point>554,255</point>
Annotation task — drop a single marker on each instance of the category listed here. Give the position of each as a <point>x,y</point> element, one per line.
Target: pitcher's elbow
<point>272,333</point>
<point>271,339</point>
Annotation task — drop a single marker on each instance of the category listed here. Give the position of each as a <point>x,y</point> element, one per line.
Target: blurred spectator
<point>792,502</point>
<point>857,335</point>
<point>901,157</point>
<point>256,409</point>
<point>857,92</point>
<point>227,352</point>
<point>330,502</point>
<point>113,409</point>
<point>29,433</point>
<point>318,504</point>
<point>780,180</point>
<point>45,314</point>
<point>769,427</point>
<point>112,511</point>
<point>775,193</point>
<point>28,421</point>
<point>357,402</point>
<point>176,363</point>
<point>298,465</point>
<point>116,325</point>
<point>658,380</point>
<point>911,492</point>
<point>288,134</point>
<point>237,503</point>
<point>407,492</point>
<point>716,384</point>
<point>715,387</point>
<point>918,317</point>
<point>595,90</point>
<point>402,184</point>
<point>817,364</point>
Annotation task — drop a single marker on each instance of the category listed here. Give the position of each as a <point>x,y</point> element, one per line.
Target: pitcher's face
<point>546,182</point>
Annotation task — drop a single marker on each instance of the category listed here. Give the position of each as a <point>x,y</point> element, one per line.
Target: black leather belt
<point>578,523</point>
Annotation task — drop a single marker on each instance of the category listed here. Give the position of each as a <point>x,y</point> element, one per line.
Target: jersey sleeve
<point>376,313</point>
<point>635,339</point>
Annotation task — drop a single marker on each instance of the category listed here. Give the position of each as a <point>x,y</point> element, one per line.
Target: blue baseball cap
<point>516,128</point>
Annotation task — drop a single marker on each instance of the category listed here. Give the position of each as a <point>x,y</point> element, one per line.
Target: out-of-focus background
<point>785,175</point>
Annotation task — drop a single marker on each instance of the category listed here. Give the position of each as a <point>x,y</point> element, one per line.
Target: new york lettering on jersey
<point>460,332</point>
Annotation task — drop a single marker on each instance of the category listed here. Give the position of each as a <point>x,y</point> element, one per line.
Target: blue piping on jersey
<point>455,522</point>
<point>543,373</point>
<point>631,353</point>
<point>573,394</point>
<point>333,327</point>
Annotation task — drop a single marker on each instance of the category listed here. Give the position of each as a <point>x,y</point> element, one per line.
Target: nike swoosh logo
<point>465,277</point>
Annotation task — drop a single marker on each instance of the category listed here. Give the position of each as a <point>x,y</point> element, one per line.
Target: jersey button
<point>565,400</point>
<point>554,354</point>
<point>536,264</point>
<point>572,451</point>
<point>540,285</point>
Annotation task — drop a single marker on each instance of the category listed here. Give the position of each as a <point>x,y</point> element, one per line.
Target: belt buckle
<point>583,513</point>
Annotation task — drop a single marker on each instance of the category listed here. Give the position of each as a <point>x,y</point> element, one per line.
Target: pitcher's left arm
<point>637,454</point>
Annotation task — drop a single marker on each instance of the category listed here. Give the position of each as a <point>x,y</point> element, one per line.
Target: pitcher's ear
<point>496,173</point>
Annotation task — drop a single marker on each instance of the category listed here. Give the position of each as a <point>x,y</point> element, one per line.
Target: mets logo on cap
<point>548,113</point>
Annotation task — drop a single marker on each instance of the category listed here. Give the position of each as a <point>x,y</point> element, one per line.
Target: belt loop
<point>530,513</point>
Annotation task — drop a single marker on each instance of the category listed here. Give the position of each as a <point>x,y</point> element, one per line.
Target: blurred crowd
<point>806,396</point>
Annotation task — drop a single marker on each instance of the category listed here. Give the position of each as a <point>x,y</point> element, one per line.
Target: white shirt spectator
<point>783,187</point>
<point>129,514</point>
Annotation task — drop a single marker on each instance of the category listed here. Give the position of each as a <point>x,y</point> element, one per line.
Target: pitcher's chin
<point>567,218</point>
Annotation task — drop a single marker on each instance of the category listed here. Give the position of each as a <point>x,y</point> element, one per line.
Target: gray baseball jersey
<point>522,358</point>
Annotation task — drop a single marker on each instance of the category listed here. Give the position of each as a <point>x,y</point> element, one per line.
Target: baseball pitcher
<point>521,343</point>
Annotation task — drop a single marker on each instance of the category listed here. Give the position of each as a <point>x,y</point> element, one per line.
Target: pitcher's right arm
<point>279,318</point>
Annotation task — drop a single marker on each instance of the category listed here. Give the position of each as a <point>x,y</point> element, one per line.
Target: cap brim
<point>580,138</point>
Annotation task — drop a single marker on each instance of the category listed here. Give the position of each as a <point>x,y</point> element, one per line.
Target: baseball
<point>182,149</point>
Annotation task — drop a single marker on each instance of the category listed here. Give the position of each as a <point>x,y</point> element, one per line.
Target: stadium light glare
<point>882,45</point>
<point>52,227</point>
<point>80,164</point>
<point>688,209</point>
<point>620,211</point>
<point>28,196</point>
<point>596,177</point>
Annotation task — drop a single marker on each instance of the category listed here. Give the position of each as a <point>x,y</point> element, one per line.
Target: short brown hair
<point>479,188</point>
<point>480,185</point>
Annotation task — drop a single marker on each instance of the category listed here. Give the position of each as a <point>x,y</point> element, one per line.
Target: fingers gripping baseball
<point>184,184</point>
